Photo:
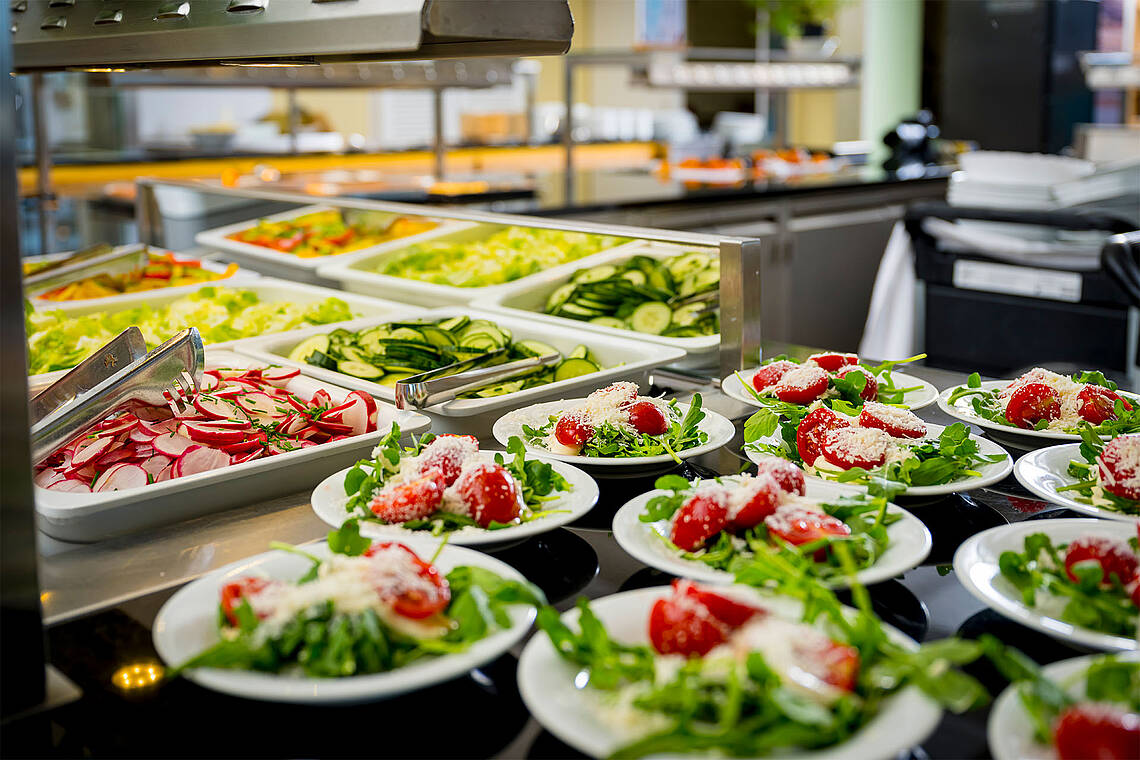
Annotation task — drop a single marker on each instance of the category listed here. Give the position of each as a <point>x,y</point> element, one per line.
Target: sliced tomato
<point>1119,473</point>
<point>838,664</point>
<point>700,518</point>
<point>731,612</point>
<point>787,476</point>
<point>797,525</point>
<point>1100,731</point>
<point>1032,403</point>
<point>490,493</point>
<point>770,374</point>
<point>1114,557</point>
<point>900,423</point>
<point>571,430</point>
<point>233,593</point>
<point>870,390</point>
<point>802,385</point>
<point>855,447</point>
<point>646,417</point>
<point>422,600</point>
<point>411,500</point>
<point>764,498</point>
<point>811,430</point>
<point>1098,404</point>
<point>833,360</point>
<point>684,627</point>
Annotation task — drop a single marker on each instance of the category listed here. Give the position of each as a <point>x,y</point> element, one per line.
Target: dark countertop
<point>482,713</point>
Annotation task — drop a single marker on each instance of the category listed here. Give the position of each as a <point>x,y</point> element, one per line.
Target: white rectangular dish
<point>623,359</point>
<point>526,298</point>
<point>286,265</point>
<point>268,290</point>
<point>358,275</point>
<point>240,278</point>
<point>86,517</point>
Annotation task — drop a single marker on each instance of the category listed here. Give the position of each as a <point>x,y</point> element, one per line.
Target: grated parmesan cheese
<point>1124,472</point>
<point>1068,391</point>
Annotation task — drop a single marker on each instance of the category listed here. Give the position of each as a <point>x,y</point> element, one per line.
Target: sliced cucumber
<point>454,324</point>
<point>636,276</point>
<point>322,360</point>
<point>579,352</point>
<point>594,274</point>
<point>408,334</point>
<point>706,280</point>
<point>661,279</point>
<point>438,337</point>
<point>501,389</point>
<point>651,318</point>
<point>392,378</point>
<point>309,345</point>
<point>359,369</point>
<point>352,354</point>
<point>560,296</point>
<point>581,312</point>
<point>574,368</point>
<point>535,348</point>
<point>686,315</point>
<point>687,264</point>
<point>613,322</point>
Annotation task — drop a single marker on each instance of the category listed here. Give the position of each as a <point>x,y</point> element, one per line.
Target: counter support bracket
<point>740,304</point>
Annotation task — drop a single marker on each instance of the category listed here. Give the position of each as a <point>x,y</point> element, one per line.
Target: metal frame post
<point>44,192</point>
<point>568,131</point>
<point>740,304</point>
<point>439,148</point>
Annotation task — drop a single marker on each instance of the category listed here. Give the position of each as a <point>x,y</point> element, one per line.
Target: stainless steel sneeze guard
<point>740,258</point>
<point>105,36</point>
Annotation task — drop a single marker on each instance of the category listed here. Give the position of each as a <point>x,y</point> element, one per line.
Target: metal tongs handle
<point>153,379</point>
<point>443,384</point>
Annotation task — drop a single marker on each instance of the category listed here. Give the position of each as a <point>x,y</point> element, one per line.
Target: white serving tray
<point>95,516</point>
<point>240,278</point>
<point>526,298</point>
<point>286,265</point>
<point>358,275</point>
<point>635,359</point>
<point>268,290</point>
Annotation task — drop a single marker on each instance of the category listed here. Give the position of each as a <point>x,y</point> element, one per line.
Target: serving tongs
<point>169,375</point>
<point>89,262</point>
<point>443,384</point>
<point>125,348</point>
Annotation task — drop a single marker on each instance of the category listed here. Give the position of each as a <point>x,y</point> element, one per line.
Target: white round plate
<point>976,565</point>
<point>1043,471</point>
<point>991,473</point>
<point>917,399</point>
<point>187,624</point>
<point>574,715</point>
<point>1009,729</point>
<point>910,541</point>
<point>329,501</point>
<point>718,428</point>
<point>962,410</point>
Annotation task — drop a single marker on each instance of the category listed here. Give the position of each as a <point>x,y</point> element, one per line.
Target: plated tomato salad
<point>366,608</point>
<point>1108,476</point>
<point>442,483</point>
<point>238,416</point>
<point>825,376</point>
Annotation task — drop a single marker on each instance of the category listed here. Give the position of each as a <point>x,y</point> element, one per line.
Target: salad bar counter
<point>952,569</point>
<point>544,480</point>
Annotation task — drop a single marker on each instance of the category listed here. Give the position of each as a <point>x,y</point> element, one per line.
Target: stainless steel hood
<point>126,34</point>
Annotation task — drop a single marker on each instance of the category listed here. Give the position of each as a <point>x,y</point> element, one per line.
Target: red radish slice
<point>172,445</point>
<point>90,451</point>
<point>196,459</point>
<point>156,464</point>
<point>248,456</point>
<point>355,417</point>
<point>113,457</point>
<point>370,404</point>
<point>238,424</point>
<point>45,478</point>
<point>166,474</point>
<point>203,433</point>
<point>229,390</point>
<point>333,428</point>
<point>70,485</point>
<point>214,408</point>
<point>336,410</point>
<point>120,478</point>
<point>141,434</point>
<point>117,425</point>
<point>209,383</point>
<point>279,376</point>
<point>296,403</point>
<point>242,447</point>
<point>259,403</point>
<point>321,398</point>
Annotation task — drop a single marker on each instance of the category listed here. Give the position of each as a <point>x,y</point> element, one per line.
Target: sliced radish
<point>166,474</point>
<point>202,432</point>
<point>356,416</point>
<point>172,444</point>
<point>120,478</point>
<point>333,428</point>
<point>370,405</point>
<point>209,382</point>
<point>141,434</point>
<point>321,398</point>
<point>197,459</point>
<point>279,376</point>
<point>45,478</point>
<point>248,456</point>
<point>70,485</point>
<point>259,403</point>
<point>156,464</point>
<point>89,452</point>
<point>113,457</point>
<point>214,408</point>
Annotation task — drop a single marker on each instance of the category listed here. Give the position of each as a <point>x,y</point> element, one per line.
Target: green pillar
<point>892,68</point>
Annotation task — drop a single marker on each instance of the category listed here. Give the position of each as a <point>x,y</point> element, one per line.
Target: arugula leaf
<point>347,540</point>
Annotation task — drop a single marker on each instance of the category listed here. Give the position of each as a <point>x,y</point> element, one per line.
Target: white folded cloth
<point>890,331</point>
